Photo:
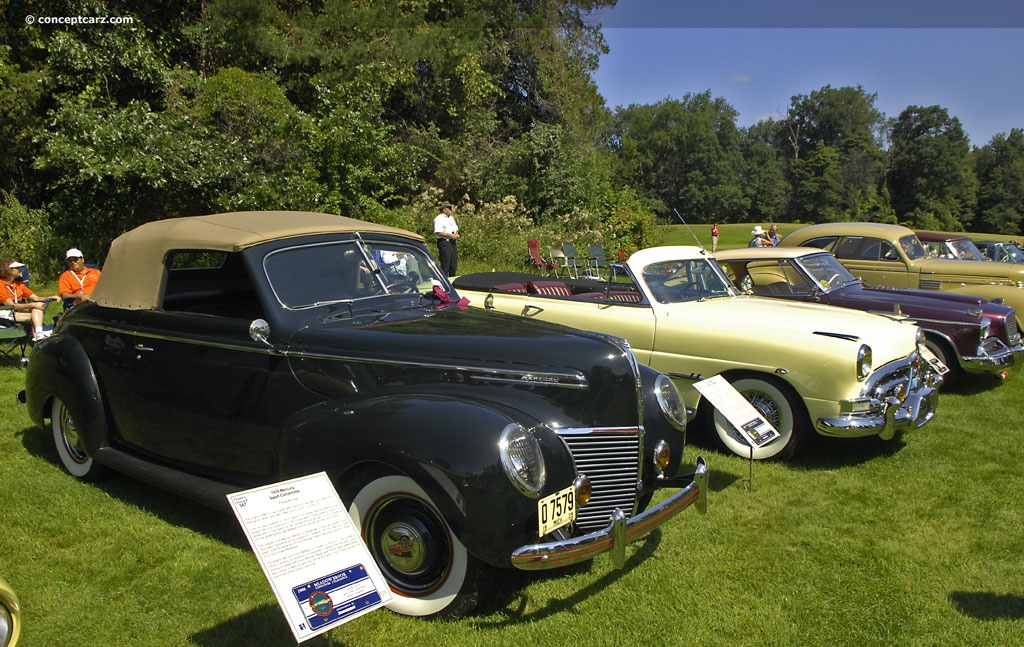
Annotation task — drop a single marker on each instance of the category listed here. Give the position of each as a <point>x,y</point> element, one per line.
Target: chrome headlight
<point>921,339</point>
<point>986,324</point>
<point>522,459</point>
<point>864,361</point>
<point>671,404</point>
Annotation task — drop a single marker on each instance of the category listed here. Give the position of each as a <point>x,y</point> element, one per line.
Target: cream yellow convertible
<point>805,367</point>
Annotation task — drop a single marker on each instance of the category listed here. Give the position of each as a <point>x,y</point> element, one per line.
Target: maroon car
<point>969,334</point>
<point>945,245</point>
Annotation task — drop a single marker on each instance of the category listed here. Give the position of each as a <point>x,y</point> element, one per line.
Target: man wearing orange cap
<point>78,281</point>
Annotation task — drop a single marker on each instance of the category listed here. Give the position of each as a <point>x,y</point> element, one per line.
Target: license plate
<point>936,363</point>
<point>556,510</point>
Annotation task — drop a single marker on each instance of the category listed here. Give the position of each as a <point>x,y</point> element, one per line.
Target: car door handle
<point>529,310</point>
<point>141,347</point>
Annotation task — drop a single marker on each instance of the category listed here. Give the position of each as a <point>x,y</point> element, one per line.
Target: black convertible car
<point>223,352</point>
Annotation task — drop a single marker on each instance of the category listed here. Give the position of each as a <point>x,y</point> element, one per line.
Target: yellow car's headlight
<point>863,362</point>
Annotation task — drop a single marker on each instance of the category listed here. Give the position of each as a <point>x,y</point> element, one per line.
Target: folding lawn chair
<point>538,261</point>
<point>596,262</point>
<point>569,249</point>
<point>13,334</point>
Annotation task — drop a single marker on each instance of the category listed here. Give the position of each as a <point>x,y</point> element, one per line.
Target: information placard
<point>935,362</point>
<point>311,553</point>
<point>753,427</point>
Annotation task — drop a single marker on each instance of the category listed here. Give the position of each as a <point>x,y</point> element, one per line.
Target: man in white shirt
<point>447,234</point>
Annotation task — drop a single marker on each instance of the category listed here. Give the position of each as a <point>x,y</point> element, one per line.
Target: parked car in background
<point>224,352</point>
<point>892,255</point>
<point>806,367</point>
<point>1000,251</point>
<point>968,334</point>
<point>945,245</point>
<point>10,615</point>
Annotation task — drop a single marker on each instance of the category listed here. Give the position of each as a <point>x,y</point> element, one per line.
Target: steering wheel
<point>835,276</point>
<point>403,286</point>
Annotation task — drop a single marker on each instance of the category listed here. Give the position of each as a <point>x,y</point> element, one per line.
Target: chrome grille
<point>610,458</point>
<point>1011,328</point>
<point>896,378</point>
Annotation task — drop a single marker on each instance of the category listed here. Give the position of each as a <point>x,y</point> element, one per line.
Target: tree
<point>763,177</point>
<point>818,185</point>
<point>685,154</point>
<point>1000,172</point>
<point>846,121</point>
<point>931,175</point>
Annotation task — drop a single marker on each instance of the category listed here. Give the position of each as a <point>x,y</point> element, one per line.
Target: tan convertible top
<point>133,272</point>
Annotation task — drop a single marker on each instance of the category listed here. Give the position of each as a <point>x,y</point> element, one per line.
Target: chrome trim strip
<point>565,380</point>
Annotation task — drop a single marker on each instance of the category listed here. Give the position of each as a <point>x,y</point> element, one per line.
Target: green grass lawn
<point>917,541</point>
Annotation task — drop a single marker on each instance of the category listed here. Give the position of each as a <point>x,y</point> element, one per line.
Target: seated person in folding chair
<point>78,281</point>
<point>27,306</point>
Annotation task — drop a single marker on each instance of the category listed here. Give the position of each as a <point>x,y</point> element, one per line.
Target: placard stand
<point>748,483</point>
<point>752,427</point>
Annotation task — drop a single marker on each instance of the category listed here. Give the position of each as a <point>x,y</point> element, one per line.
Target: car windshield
<point>961,249</point>
<point>1008,253</point>
<point>912,247</point>
<point>825,271</point>
<point>687,280</point>
<point>312,275</point>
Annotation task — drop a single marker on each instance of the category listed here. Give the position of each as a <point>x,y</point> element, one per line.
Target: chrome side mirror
<point>259,331</point>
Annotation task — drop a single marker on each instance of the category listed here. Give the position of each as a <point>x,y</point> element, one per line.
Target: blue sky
<point>967,57</point>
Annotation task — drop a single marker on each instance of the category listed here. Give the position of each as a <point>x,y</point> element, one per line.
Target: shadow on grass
<point>165,505</point>
<point>985,605</point>
<point>261,626</point>
<point>820,453</point>
<point>971,384</point>
<point>510,597</point>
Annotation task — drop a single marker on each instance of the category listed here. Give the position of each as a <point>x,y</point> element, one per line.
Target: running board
<point>197,488</point>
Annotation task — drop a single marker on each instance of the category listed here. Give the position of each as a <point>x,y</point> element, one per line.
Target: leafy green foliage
<point>360,108</point>
<point>932,176</point>
<point>26,235</point>
<point>685,154</point>
<point>1000,171</point>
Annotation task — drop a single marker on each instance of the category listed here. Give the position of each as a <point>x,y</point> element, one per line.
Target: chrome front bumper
<point>904,395</point>
<point>884,418</point>
<point>619,531</point>
<point>996,356</point>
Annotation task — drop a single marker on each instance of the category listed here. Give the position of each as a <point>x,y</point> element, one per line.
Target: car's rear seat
<point>549,288</point>
<point>517,288</point>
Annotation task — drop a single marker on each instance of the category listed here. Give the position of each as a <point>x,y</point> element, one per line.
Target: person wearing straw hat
<point>760,238</point>
<point>78,281</point>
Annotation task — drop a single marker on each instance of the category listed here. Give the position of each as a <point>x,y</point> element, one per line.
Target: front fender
<point>59,367</point>
<point>448,446</point>
<point>657,427</point>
